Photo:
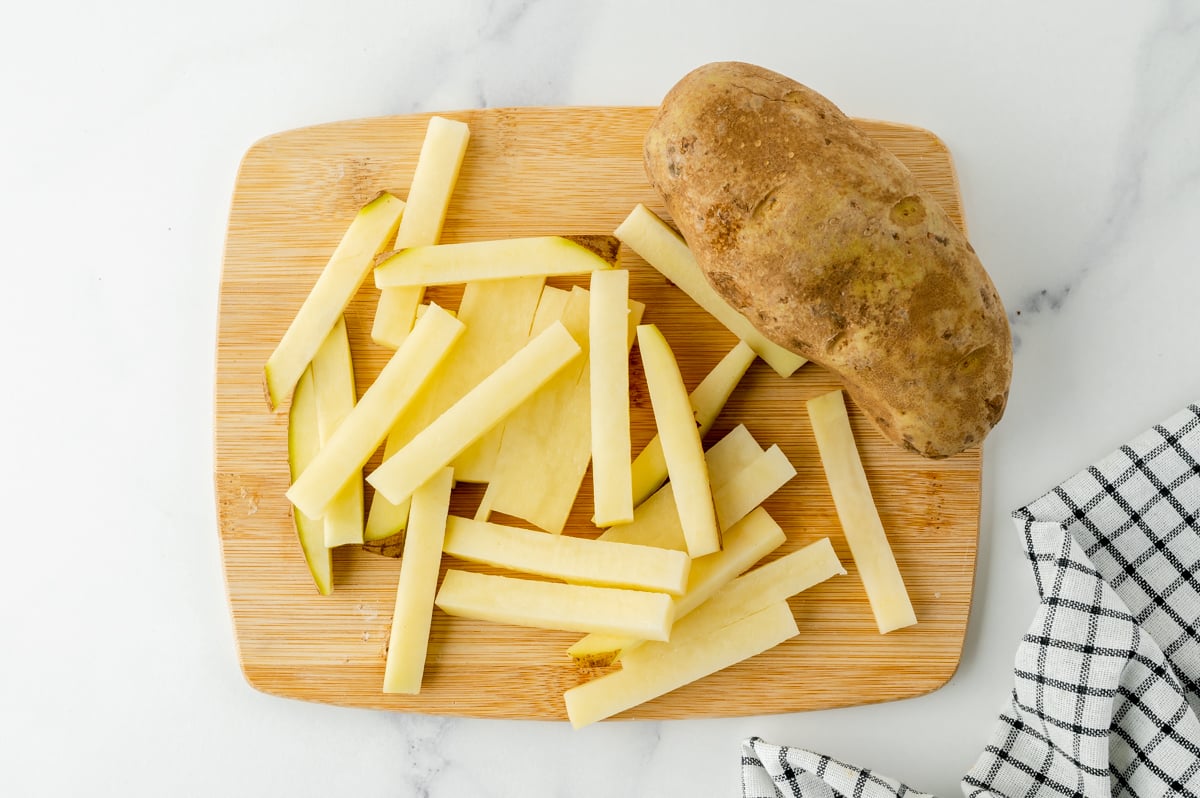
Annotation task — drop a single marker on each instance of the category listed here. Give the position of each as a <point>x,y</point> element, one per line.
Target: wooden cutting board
<point>534,171</point>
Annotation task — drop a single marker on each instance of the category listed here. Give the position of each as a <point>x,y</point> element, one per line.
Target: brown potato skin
<point>826,243</point>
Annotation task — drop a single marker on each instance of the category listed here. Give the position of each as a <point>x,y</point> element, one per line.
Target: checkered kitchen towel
<point>1107,693</point>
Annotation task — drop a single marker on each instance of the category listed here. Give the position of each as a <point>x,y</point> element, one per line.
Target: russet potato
<point>828,245</point>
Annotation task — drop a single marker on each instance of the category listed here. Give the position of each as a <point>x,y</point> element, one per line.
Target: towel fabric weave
<point>1106,699</point>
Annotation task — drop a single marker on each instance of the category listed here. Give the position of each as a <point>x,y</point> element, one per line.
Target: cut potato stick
<point>304,441</point>
<point>752,486</point>
<point>509,306</point>
<point>656,522</point>
<point>395,314</point>
<point>522,447</point>
<point>858,515</point>
<point>751,539</point>
<point>361,432</point>
<point>485,406</point>
<point>554,605</point>
<point>609,386</point>
<point>429,193</point>
<point>676,423</point>
<point>746,542</point>
<point>729,455</point>
<point>661,247</point>
<point>540,256</point>
<point>552,304</point>
<point>335,287</point>
<point>707,400</point>
<point>497,316</point>
<point>679,663</point>
<point>333,380</point>
<point>754,590</point>
<point>385,519</point>
<point>577,560</point>
<point>408,642</point>
<point>547,441</point>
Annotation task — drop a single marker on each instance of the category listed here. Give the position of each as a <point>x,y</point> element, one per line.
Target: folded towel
<point>1107,680</point>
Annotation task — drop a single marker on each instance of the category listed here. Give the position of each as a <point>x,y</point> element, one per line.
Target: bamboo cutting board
<point>537,171</point>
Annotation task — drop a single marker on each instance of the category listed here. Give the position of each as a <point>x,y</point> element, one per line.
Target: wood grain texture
<point>540,171</point>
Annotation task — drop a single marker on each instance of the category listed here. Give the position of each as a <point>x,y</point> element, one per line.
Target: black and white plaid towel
<point>1107,693</point>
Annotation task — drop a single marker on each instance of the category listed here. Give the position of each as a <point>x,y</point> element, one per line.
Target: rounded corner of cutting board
<point>528,171</point>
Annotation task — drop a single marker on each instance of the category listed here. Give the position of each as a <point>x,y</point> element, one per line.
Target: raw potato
<point>656,520</point>
<point>828,245</point>
<point>304,441</point>
<point>738,486</point>
<point>662,248</point>
<point>433,182</point>
<point>361,432</point>
<point>554,605</point>
<point>547,441</point>
<point>858,515</point>
<point>676,423</point>
<point>346,270</point>
<point>581,561</point>
<point>496,315</point>
<point>333,381</point>
<point>470,418</point>
<point>542,256</point>
<point>708,399</point>
<point>612,469</point>
<point>408,642</point>
<point>750,488</point>
<point>679,662</point>
<point>714,636</point>
<point>507,308</point>
<point>744,544</point>
<point>751,592</point>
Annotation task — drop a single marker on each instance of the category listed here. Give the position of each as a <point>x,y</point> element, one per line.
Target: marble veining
<point>1158,159</point>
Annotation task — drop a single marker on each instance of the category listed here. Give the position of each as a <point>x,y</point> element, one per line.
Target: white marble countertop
<point>1075,127</point>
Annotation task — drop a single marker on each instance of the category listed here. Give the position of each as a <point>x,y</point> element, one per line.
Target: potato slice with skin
<point>673,416</point>
<point>408,641</point>
<point>707,400</point>
<point>433,182</point>
<point>554,605</point>
<point>857,512</point>
<point>680,662</point>
<point>612,478</point>
<point>484,406</point>
<point>360,434</point>
<point>539,256</point>
<point>661,247</point>
<point>582,561</point>
<point>346,270</point>
<point>304,441</point>
<point>746,542</point>
<point>333,380</point>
